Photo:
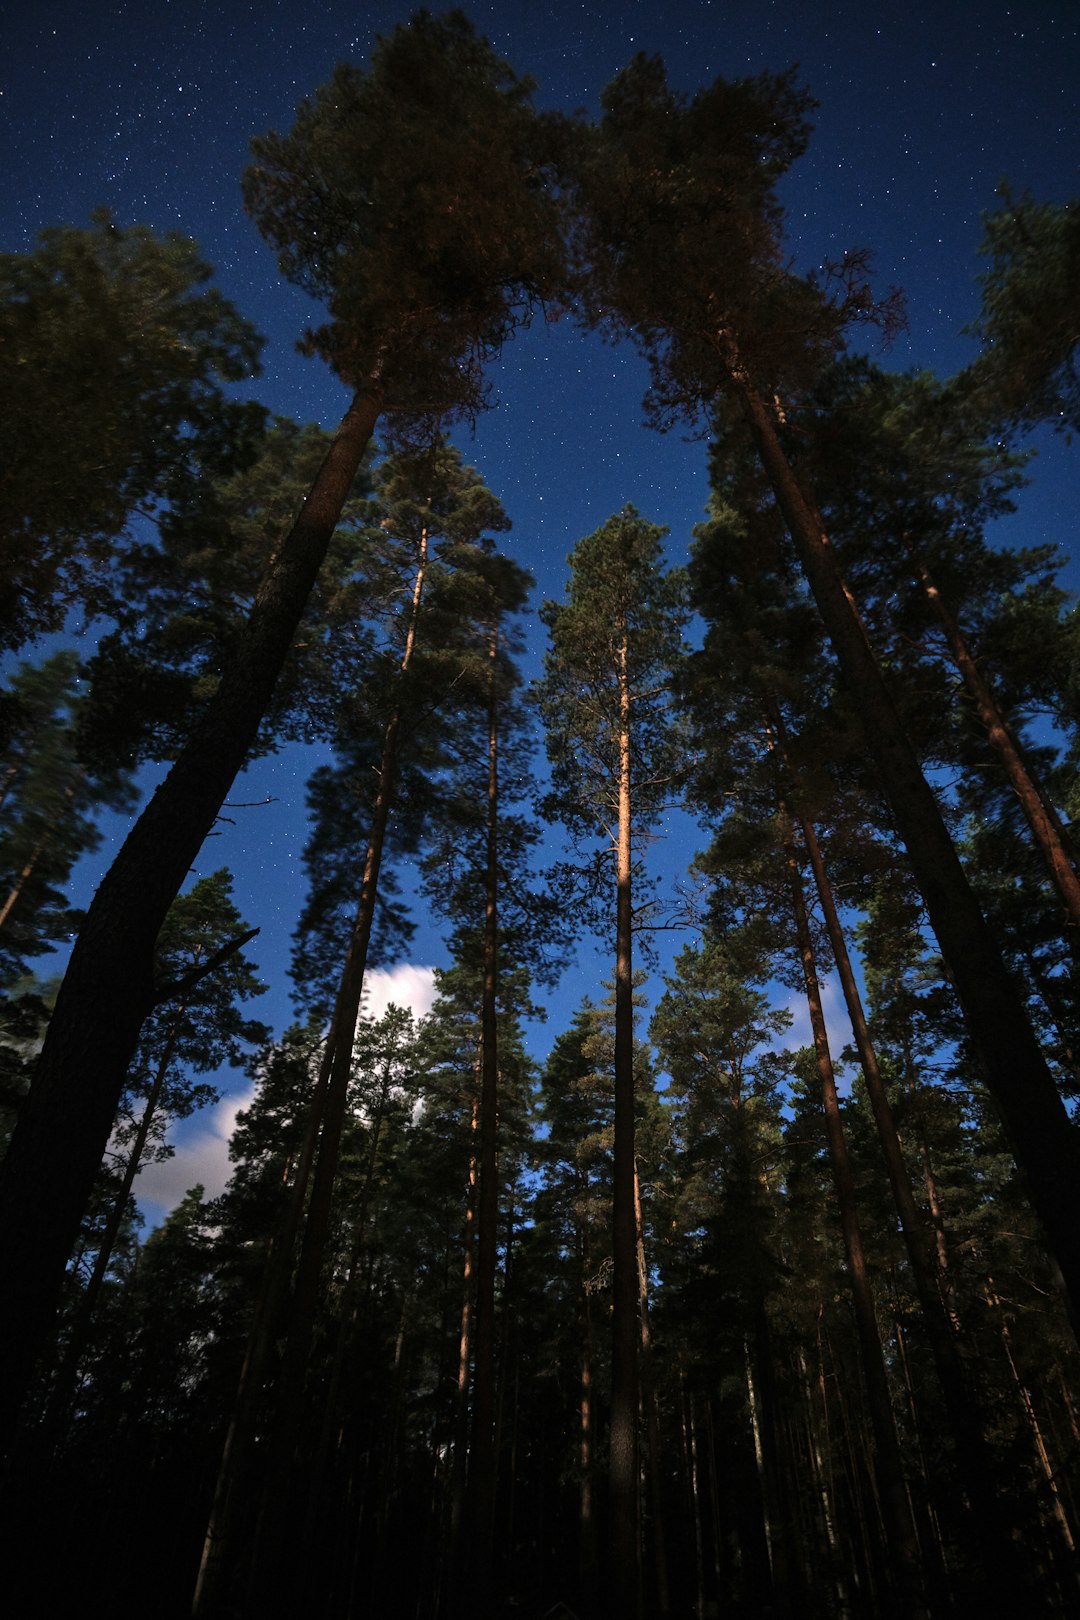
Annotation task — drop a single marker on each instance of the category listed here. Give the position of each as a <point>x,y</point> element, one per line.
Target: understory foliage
<point>406,1363</point>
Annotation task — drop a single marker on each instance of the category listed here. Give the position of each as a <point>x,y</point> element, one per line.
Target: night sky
<point>148,107</point>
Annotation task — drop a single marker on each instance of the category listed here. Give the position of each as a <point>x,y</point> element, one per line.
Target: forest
<point>685,1319</point>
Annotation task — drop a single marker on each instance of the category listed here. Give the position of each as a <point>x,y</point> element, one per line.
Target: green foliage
<point>199,1030</point>
<point>437,585</point>
<point>51,787</point>
<point>678,237</point>
<point>192,587</point>
<point>116,351</point>
<point>1030,317</point>
<point>410,200</point>
<point>618,591</point>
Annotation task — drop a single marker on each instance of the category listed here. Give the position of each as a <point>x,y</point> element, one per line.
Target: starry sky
<point>148,106</point>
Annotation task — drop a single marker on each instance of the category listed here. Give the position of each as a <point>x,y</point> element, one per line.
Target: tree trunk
<point>985,1527</point>
<point>108,988</point>
<point>482,1437</point>
<point>64,1384</point>
<point>465,1345</point>
<point>1044,1140</point>
<point>328,1119</point>
<point>1038,811</point>
<point>30,865</point>
<point>587,1570</point>
<point>652,1420</point>
<point>889,1470</point>
<point>626,1333</point>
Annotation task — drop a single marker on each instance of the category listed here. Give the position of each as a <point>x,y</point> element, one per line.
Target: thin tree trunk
<point>1038,1441</point>
<point>482,1437</point>
<point>695,1499</point>
<point>1044,1140</point>
<point>21,880</point>
<point>985,1526</point>
<point>587,1570</point>
<point>317,1508</point>
<point>1038,811</point>
<point>895,1506</point>
<point>30,865</point>
<point>652,1421</point>
<point>64,1385</point>
<point>328,1123</point>
<point>623,1577</point>
<point>337,1060</point>
<point>316,1169</point>
<point>465,1343</point>
<point>108,989</point>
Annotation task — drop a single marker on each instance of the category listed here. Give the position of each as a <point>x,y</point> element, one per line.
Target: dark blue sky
<point>149,106</point>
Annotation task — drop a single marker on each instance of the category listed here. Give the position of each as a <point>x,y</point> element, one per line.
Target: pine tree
<point>614,752</point>
<point>680,233</point>
<point>420,292</point>
<point>118,353</point>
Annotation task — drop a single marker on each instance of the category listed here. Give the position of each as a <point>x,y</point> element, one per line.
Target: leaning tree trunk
<point>108,987</point>
<point>318,1167</point>
<point>985,1527</point>
<point>896,1510</point>
<point>1038,811</point>
<point>1044,1140</point>
<point>623,1535</point>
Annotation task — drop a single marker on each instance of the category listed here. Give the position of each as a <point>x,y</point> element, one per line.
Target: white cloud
<point>404,985</point>
<point>202,1143</point>
<point>837,1025</point>
<point>202,1155</point>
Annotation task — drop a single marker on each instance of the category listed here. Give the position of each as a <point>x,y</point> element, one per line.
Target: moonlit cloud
<point>202,1143</point>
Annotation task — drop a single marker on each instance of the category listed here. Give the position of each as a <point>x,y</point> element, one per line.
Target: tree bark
<point>327,1124</point>
<point>1039,813</point>
<point>1044,1140</point>
<point>985,1527</point>
<point>30,865</point>
<point>108,987</point>
<point>482,1437</point>
<point>652,1418</point>
<point>894,1501</point>
<point>64,1385</point>
<point>626,1336</point>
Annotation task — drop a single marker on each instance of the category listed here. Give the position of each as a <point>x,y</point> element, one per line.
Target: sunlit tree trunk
<point>623,1573</point>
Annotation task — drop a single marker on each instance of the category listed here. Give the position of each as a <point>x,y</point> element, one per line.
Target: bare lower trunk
<point>652,1420</point>
<point>985,1526</point>
<point>896,1509</point>
<point>482,1437</point>
<point>623,1541</point>
<point>586,1525</point>
<point>465,1344</point>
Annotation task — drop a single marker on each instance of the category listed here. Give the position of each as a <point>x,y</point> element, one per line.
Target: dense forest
<point>685,1319</point>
